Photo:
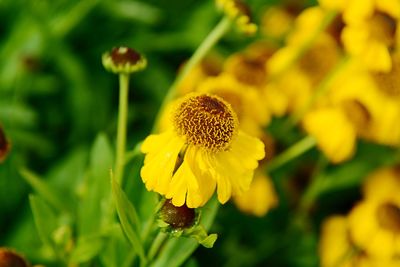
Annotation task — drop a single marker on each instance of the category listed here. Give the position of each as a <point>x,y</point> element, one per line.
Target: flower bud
<point>4,145</point>
<point>9,258</point>
<point>123,60</point>
<point>177,217</point>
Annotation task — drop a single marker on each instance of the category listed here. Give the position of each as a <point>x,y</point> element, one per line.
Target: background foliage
<point>58,107</point>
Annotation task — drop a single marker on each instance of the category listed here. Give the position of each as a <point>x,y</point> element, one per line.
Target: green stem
<point>292,152</point>
<point>122,125</point>
<point>130,155</point>
<point>212,38</point>
<point>156,245</point>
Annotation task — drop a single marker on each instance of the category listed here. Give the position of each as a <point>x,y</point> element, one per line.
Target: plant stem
<point>156,245</point>
<point>212,38</point>
<point>292,152</point>
<point>122,125</point>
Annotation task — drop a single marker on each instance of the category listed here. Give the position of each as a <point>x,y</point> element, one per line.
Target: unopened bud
<point>9,258</point>
<point>123,60</point>
<point>177,217</point>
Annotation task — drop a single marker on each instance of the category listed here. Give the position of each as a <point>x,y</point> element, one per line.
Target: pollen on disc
<point>207,121</point>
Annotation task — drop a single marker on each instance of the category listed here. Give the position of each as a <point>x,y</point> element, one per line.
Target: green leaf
<point>128,218</point>
<point>45,219</point>
<point>178,250</point>
<point>44,190</point>
<point>95,209</point>
<point>87,247</point>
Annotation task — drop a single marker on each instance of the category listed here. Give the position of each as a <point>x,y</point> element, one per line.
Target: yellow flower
<point>246,101</point>
<point>375,227</point>
<point>240,13</point>
<point>260,198</point>
<point>371,31</point>
<point>379,213</point>
<point>297,80</point>
<point>333,131</point>
<point>370,102</point>
<point>210,66</point>
<point>336,247</point>
<point>335,242</point>
<point>382,183</point>
<point>247,68</point>
<point>276,22</point>
<point>203,151</point>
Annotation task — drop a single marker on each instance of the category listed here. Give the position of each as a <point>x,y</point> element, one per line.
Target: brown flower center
<point>319,60</point>
<point>383,28</point>
<point>388,216</point>
<point>389,83</point>
<point>207,121</point>
<point>124,55</point>
<point>357,113</point>
<point>249,71</point>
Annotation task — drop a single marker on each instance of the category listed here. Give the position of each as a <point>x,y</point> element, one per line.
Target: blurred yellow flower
<point>246,101</point>
<point>371,31</point>
<point>297,80</point>
<point>335,243</point>
<point>333,131</point>
<point>375,227</point>
<point>276,22</point>
<point>260,198</point>
<point>203,151</point>
<point>382,183</point>
<point>375,222</point>
<point>337,249</point>
<point>210,66</point>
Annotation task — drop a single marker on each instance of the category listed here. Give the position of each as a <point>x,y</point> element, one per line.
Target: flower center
<point>319,60</point>
<point>389,83</point>
<point>206,121</point>
<point>124,55</point>
<point>357,113</point>
<point>388,215</point>
<point>249,71</point>
<point>383,28</point>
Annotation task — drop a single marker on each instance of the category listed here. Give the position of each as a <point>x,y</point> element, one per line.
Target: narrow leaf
<point>45,219</point>
<point>128,217</point>
<point>44,190</point>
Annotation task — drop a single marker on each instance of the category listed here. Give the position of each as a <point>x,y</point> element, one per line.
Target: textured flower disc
<point>207,121</point>
<point>388,216</point>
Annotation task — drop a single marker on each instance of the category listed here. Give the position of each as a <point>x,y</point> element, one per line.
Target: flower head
<point>123,60</point>
<point>203,151</point>
<point>206,121</point>
<point>379,234</point>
